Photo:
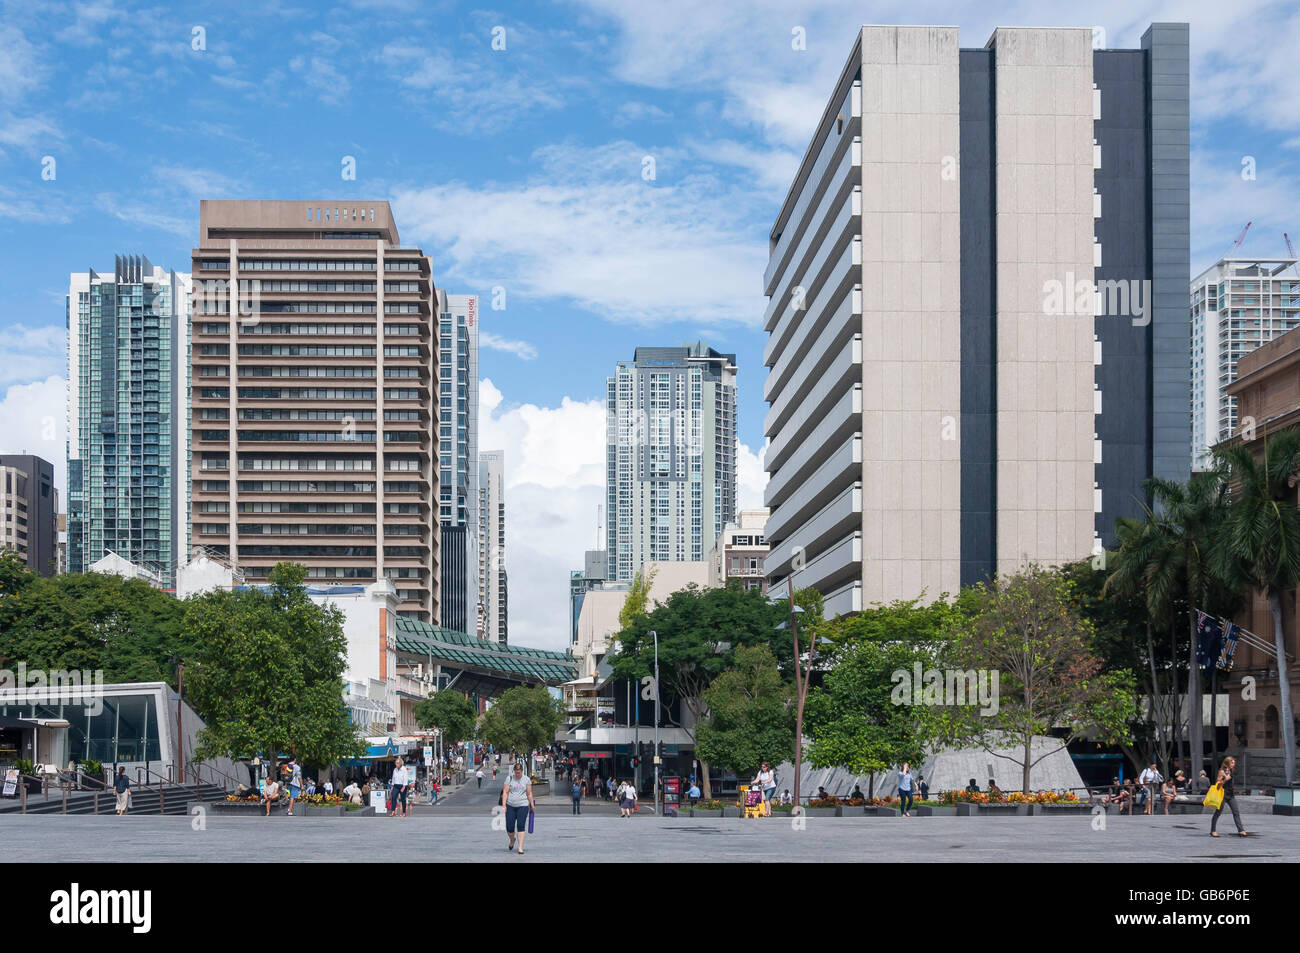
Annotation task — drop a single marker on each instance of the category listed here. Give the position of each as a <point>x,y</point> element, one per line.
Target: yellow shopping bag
<point>1214,798</point>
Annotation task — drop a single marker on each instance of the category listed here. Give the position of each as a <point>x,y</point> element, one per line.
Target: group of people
<point>274,790</point>
<point>624,794</point>
<point>1151,786</point>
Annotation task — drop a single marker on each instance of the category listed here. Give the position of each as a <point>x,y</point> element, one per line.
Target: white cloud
<point>520,349</point>
<point>588,228</point>
<point>751,478</point>
<point>33,419</point>
<point>32,354</point>
<point>555,479</point>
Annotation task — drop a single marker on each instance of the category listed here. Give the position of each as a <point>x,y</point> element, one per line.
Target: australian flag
<point>1209,639</point>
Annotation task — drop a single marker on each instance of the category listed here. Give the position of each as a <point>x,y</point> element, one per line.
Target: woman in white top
<point>626,799</point>
<point>517,799</point>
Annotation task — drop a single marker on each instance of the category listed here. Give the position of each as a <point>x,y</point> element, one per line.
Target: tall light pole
<point>656,638</point>
<point>800,676</point>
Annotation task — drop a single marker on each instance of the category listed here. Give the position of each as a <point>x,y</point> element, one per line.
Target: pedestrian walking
<point>1229,800</point>
<point>905,790</point>
<point>576,793</point>
<point>295,782</point>
<point>517,799</point>
<point>122,785</point>
<point>1150,779</point>
<point>627,799</point>
<point>478,776</point>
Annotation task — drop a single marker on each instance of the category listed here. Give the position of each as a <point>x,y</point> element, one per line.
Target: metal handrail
<point>198,766</point>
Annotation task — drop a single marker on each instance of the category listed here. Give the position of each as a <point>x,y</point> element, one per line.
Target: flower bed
<point>952,798</point>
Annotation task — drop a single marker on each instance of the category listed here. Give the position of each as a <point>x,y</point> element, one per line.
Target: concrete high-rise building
<point>978,342</point>
<point>458,458</point>
<point>670,482</point>
<point>493,604</point>
<point>29,506</point>
<point>128,416</point>
<point>1238,304</point>
<point>315,410</point>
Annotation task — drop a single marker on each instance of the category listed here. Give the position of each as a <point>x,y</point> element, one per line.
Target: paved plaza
<point>468,836</point>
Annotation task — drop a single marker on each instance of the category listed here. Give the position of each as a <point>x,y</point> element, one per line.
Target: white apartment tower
<point>493,602</point>
<point>1238,304</point>
<point>670,456</point>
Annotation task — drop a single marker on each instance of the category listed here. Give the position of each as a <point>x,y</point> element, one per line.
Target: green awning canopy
<point>481,656</point>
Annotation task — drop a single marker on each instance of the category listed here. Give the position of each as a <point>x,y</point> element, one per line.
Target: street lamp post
<point>656,638</point>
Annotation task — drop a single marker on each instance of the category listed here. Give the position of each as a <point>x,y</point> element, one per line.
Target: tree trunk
<point>1029,755</point>
<point>1157,701</point>
<point>1195,719</point>
<point>1174,696</point>
<point>705,787</point>
<point>1214,713</point>
<point>1283,687</point>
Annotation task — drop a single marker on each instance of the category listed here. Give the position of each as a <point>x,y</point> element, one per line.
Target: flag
<point>1209,635</point>
<point>1230,633</point>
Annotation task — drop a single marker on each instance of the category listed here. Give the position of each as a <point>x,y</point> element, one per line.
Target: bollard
<point>65,797</point>
<point>22,788</point>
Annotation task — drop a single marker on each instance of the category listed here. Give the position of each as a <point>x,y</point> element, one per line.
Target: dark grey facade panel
<point>453,556</point>
<point>978,318</point>
<point>1168,103</point>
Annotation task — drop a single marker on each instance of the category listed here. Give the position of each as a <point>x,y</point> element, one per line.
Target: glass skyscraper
<point>458,466</point>
<point>128,407</point>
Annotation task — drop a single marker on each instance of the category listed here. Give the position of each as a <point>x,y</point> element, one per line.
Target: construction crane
<point>1290,250</point>
<point>1240,238</point>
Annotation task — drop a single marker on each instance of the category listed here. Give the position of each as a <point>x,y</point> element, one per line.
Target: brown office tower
<point>314,410</point>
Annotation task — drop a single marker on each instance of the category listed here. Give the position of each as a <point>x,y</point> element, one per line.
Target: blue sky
<point>520,168</point>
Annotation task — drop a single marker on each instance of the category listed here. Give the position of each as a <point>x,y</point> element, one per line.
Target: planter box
<point>925,810</point>
<point>238,807</point>
<point>1055,810</point>
<point>880,811</point>
<point>312,811</point>
<point>1001,810</point>
<point>821,812</point>
<point>704,812</point>
<point>542,789</point>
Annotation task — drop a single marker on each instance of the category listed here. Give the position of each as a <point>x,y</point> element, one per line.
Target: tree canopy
<point>751,714</point>
<point>267,672</point>
<point>522,719</point>
<point>92,621</point>
<point>1027,630</point>
<point>450,712</point>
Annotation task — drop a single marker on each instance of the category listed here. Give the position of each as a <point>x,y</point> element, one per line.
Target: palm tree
<point>1260,545</point>
<point>1168,560</point>
<point>1139,543</point>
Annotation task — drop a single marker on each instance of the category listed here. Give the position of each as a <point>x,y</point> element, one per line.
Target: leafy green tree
<point>1260,544</point>
<point>522,719</point>
<point>853,717</point>
<point>450,712</point>
<point>92,621</point>
<point>751,714</point>
<point>637,602</point>
<point>699,631</point>
<point>1028,630</point>
<point>267,673</point>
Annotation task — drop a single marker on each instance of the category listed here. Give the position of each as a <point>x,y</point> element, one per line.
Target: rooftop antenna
<point>600,512</point>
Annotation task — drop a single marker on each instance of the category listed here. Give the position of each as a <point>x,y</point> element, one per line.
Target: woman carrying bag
<point>517,799</point>
<point>1221,795</point>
